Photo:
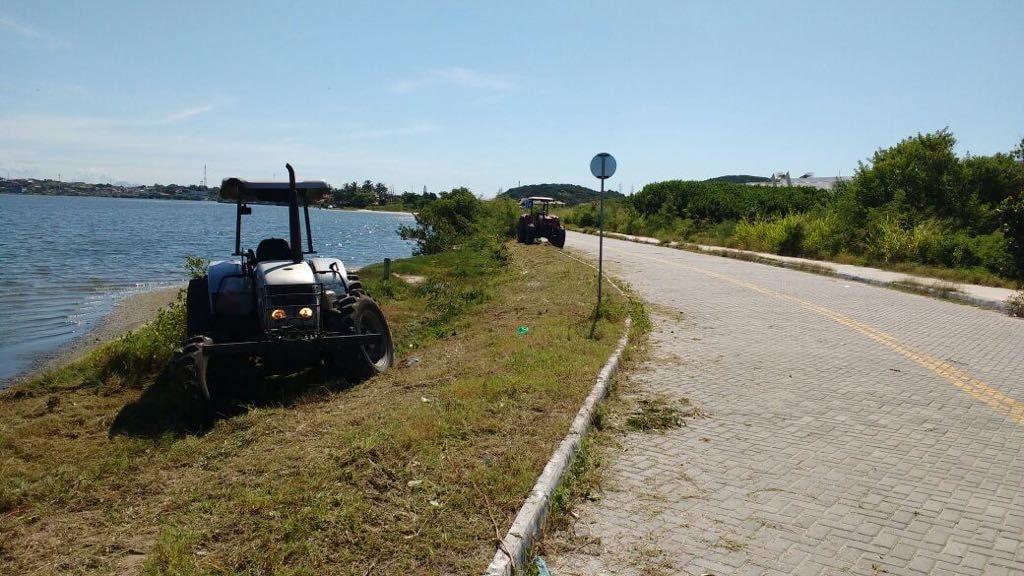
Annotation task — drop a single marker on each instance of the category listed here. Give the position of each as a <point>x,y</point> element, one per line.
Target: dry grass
<point>936,289</point>
<point>413,472</point>
<point>1015,304</point>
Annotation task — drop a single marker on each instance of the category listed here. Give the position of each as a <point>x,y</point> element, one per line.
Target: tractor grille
<point>293,295</point>
<point>292,298</point>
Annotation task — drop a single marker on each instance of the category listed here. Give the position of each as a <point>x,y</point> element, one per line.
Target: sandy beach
<point>131,313</point>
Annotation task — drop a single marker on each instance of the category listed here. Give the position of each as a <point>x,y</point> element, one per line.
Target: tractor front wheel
<point>558,238</point>
<point>359,314</point>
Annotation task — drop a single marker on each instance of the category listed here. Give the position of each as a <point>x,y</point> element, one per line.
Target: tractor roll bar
<point>294,231</point>
<point>281,193</point>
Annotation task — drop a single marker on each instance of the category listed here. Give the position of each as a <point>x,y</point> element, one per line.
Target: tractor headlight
<point>278,314</point>
<point>305,313</point>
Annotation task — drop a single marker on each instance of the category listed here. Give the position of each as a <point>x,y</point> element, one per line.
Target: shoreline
<point>394,212</point>
<point>129,313</point>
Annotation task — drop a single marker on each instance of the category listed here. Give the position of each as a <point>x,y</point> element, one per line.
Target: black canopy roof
<point>232,188</point>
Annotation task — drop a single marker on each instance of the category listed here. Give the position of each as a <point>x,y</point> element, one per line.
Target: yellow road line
<point>977,389</point>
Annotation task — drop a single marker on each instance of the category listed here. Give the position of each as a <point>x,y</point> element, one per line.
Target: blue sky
<point>488,94</point>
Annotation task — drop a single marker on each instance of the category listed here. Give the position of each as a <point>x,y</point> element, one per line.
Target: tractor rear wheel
<point>197,308</point>
<point>530,235</point>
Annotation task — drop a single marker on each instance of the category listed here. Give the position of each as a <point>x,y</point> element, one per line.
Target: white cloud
<point>18,28</point>
<point>106,149</point>
<point>186,114</point>
<point>467,78</point>
<point>26,31</point>
<point>385,133</point>
<point>455,76</point>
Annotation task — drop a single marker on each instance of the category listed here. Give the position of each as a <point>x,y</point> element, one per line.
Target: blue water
<point>65,261</point>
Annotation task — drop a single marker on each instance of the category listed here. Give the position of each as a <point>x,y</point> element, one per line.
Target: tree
<point>1011,212</point>
<point>445,222</point>
<point>918,178</point>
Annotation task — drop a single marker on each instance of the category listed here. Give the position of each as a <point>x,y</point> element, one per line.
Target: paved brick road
<point>851,430</point>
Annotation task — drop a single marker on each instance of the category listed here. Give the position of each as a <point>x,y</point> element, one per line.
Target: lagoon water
<point>65,261</point>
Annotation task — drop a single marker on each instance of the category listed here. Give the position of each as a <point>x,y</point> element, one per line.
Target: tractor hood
<point>284,273</point>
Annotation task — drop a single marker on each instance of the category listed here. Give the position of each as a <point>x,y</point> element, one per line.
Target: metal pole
<point>600,243</point>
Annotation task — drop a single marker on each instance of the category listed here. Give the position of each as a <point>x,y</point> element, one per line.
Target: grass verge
<point>106,470</point>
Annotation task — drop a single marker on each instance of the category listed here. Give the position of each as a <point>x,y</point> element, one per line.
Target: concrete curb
<point>924,289</point>
<point>511,556</point>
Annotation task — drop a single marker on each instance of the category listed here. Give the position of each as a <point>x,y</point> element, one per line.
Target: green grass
<point>108,468</point>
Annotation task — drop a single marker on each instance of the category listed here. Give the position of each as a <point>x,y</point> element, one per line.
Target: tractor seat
<point>273,249</point>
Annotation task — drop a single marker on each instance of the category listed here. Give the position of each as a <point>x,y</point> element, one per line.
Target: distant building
<point>823,182</point>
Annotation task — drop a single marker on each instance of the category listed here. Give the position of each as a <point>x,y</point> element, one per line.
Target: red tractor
<point>538,223</point>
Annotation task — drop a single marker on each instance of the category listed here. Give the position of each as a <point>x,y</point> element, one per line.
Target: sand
<point>131,313</point>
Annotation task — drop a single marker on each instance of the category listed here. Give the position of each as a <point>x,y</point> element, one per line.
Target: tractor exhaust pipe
<point>295,238</point>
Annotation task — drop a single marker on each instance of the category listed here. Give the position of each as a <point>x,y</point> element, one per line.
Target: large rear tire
<point>197,308</point>
<point>530,235</point>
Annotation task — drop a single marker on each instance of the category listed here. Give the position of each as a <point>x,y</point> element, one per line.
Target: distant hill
<point>571,194</point>
<point>739,178</point>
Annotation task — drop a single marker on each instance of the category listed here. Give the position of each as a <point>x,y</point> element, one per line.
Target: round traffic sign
<point>602,166</point>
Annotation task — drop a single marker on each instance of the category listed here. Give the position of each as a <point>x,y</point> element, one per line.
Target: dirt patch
<point>411,279</point>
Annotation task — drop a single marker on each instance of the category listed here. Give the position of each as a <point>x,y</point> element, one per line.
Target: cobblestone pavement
<point>849,429</point>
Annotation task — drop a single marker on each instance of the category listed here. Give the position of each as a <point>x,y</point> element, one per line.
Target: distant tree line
<point>369,193</point>
<point>571,194</point>
<point>356,195</point>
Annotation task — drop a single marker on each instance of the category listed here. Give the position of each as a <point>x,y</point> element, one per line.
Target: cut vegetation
<point>106,468</point>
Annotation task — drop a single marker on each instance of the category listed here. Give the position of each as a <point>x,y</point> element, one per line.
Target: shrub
<point>824,236</point>
<point>717,201</point>
<point>444,223</point>
<point>778,236</point>
<point>993,252</point>
<point>135,358</point>
<point>888,241</point>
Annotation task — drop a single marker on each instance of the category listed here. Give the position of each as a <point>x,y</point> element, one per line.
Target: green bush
<point>779,235</point>
<point>915,202</point>
<point>824,235</point>
<point>994,254</point>
<point>134,359</point>
<point>445,222</point>
<point>1011,221</point>
<point>888,241</point>
<point>717,201</point>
